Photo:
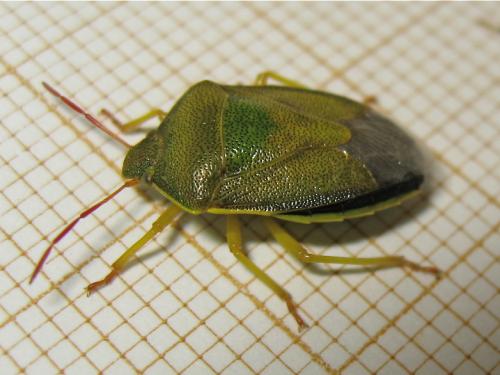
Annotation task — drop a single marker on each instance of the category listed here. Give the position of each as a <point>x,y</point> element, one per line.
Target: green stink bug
<point>282,152</point>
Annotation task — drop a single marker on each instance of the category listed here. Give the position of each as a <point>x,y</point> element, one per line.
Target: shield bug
<point>280,152</point>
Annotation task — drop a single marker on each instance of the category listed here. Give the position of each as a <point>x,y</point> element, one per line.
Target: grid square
<point>431,367</point>
<point>412,357</point>
<point>141,355</point>
<point>63,353</point>
<point>392,340</point>
<point>432,337</point>
<point>203,305</point>
<point>295,358</point>
<point>372,322</point>
<point>159,367</point>
<point>46,336</point>
<point>221,322</point>
<point>102,355</point>
<point>485,356</point>
<point>276,367</point>
<point>24,353</point>
<point>43,364</point>
<point>219,357</point>
<point>373,357</point>
<point>449,356</point>
<point>162,338</point>
<point>180,357</point>
<point>124,338</point>
<point>183,321</point>
<point>483,322</point>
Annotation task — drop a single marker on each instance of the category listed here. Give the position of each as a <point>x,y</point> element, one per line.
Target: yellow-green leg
<point>134,124</point>
<point>370,100</point>
<point>296,249</point>
<point>234,241</point>
<point>261,80</point>
<point>165,219</point>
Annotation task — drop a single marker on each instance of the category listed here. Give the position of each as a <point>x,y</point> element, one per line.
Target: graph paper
<point>185,305</point>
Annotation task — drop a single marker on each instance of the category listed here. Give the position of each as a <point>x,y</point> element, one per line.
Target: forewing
<point>259,130</point>
<point>305,178</point>
<point>279,157</point>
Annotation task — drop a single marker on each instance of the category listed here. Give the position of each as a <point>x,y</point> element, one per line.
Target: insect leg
<point>370,100</point>
<point>261,79</point>
<point>235,245</point>
<point>165,219</point>
<point>135,123</point>
<point>296,249</point>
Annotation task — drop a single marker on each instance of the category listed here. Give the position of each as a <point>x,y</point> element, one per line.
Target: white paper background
<point>185,305</point>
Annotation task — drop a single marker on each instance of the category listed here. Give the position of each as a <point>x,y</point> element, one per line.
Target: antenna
<point>70,226</point>
<point>75,107</point>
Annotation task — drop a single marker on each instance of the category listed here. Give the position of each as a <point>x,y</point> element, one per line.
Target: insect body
<point>283,152</point>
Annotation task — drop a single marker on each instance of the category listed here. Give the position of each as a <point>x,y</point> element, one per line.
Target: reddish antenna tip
<point>50,89</point>
<point>75,107</point>
<point>47,86</point>
<point>71,225</point>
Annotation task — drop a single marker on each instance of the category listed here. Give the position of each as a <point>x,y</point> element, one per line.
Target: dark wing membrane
<point>411,183</point>
<point>388,152</point>
<point>393,158</point>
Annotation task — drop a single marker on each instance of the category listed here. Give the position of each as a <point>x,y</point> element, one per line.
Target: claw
<point>292,308</point>
<point>429,269</point>
<point>99,284</point>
